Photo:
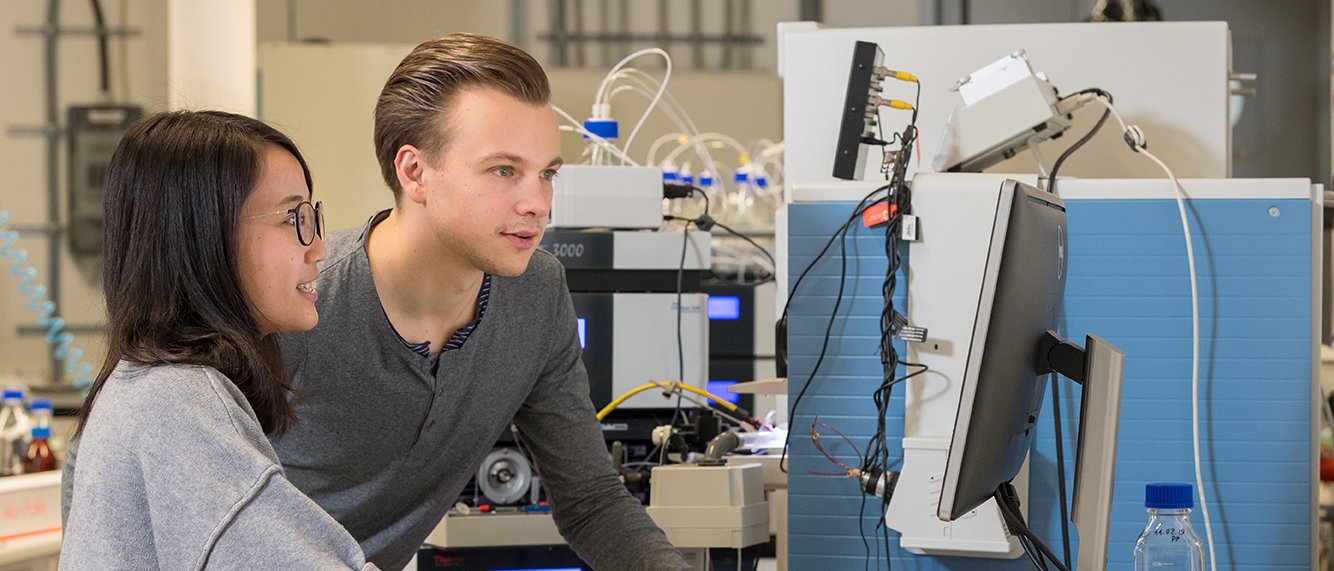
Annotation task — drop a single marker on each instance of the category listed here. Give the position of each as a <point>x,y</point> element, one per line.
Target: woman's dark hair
<point>173,196</point>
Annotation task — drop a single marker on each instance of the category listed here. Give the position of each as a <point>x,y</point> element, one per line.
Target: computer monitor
<point>1002,391</point>
<point>1012,349</point>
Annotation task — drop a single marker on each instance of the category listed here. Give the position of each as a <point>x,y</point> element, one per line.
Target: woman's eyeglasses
<point>308,219</point>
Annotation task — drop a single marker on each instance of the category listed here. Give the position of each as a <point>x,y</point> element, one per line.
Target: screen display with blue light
<point>723,390</point>
<point>544,569</point>
<point>724,307</point>
<point>582,340</point>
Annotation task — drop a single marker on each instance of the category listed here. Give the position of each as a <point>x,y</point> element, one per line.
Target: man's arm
<point>604,524</point>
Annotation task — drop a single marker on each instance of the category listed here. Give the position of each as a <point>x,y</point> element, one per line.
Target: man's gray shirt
<point>386,439</point>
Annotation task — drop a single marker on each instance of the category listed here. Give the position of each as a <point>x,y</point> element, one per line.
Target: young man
<point>441,324</point>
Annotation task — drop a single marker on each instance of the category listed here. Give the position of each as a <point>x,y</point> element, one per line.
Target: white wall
<point>23,160</point>
<point>414,21</point>
<point>348,78</point>
<point>744,105</point>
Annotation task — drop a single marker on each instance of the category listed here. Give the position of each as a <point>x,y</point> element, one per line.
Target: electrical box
<point>710,506</point>
<point>586,196</point>
<point>93,132</point>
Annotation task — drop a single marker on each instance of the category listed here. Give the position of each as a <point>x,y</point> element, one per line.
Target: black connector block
<point>850,155</point>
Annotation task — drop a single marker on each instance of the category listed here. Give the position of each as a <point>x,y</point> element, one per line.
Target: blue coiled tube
<point>45,309</point>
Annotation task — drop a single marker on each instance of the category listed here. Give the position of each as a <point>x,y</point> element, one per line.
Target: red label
<point>878,214</point>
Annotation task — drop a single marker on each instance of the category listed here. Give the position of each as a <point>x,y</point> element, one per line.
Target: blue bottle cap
<point>1169,496</point>
<point>41,432</point>
<point>605,128</point>
<point>12,393</point>
<point>40,404</point>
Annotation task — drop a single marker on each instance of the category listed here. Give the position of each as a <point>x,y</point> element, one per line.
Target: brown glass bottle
<point>39,457</point>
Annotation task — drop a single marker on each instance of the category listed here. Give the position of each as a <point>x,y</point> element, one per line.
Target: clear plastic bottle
<point>38,456</point>
<point>1168,541</point>
<point>14,427</point>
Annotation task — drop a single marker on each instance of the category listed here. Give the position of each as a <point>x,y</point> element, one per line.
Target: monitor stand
<point>1099,368</point>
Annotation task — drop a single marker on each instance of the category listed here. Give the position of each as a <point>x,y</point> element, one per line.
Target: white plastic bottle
<point>1168,541</point>
<point>15,429</point>
<point>741,199</point>
<point>762,211</point>
<point>709,184</point>
<point>40,412</point>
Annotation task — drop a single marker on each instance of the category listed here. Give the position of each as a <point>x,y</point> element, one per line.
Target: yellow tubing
<point>665,386</point>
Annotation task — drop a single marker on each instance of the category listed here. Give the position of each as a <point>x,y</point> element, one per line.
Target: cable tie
<point>901,330</point>
<point>1134,137</point>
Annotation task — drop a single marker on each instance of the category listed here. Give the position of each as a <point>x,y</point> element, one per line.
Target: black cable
<point>680,343</point>
<point>1051,181</point>
<point>838,234</point>
<point>1060,467</point>
<point>748,240</point>
<point>1004,496</point>
<point>100,25</point>
<point>680,286</point>
<point>725,279</point>
<point>861,530</point>
<point>704,221</point>
<point>876,460</point>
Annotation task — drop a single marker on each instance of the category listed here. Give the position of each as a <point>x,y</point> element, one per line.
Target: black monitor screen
<point>1002,392</point>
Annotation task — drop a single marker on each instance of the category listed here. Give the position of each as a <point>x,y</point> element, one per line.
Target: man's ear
<point>410,164</point>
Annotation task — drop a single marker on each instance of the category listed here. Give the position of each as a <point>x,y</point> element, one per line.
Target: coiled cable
<point>45,309</point>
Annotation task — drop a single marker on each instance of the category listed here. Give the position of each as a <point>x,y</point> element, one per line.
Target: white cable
<point>659,142</point>
<point>599,98</point>
<point>706,139</point>
<point>689,126</point>
<point>647,89</point>
<point>602,144</point>
<point>727,140</point>
<point>1135,138</point>
<point>601,101</point>
<point>673,110</point>
<point>666,77</point>
<point>579,128</point>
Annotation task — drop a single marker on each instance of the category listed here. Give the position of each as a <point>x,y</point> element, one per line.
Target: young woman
<point>211,247</point>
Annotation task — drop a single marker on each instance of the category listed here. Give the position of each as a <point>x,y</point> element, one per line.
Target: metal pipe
<point>655,38</point>
<point>812,11</point>
<point>579,33</point>
<point>664,28</point>
<point>291,20</point>
<point>747,59</point>
<point>518,24</point>
<point>729,28</point>
<point>558,33</point>
<point>696,26</point>
<point>53,242</point>
<point>624,15</point>
<point>604,26</point>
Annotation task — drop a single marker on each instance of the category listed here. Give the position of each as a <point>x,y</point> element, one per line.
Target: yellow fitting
<point>897,104</point>
<point>905,76</point>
